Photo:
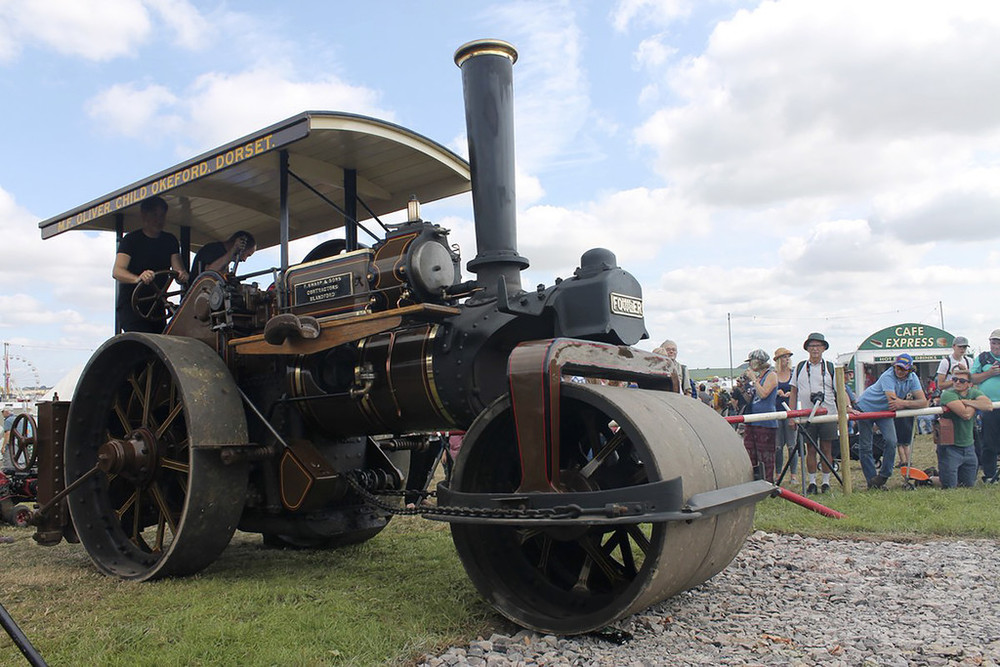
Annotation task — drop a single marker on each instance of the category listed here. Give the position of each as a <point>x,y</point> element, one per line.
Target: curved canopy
<point>237,186</point>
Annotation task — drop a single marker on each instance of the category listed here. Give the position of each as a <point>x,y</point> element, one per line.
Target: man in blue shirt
<point>896,389</point>
<point>986,374</point>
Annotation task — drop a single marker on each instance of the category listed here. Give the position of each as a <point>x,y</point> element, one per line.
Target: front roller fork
<point>536,372</point>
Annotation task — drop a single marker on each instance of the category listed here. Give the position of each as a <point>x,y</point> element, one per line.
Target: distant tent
<point>66,386</point>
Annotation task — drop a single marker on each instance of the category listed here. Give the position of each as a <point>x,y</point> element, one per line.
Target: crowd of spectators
<point>966,435</point>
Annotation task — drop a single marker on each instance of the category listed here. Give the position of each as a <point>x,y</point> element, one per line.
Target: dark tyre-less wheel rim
<point>22,442</point>
<point>152,412</point>
<point>578,578</point>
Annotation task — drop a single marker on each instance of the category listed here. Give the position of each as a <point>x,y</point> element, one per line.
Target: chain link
<point>559,512</point>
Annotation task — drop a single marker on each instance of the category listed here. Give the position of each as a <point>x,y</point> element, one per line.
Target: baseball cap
<point>904,361</point>
<point>758,355</point>
<point>995,334</point>
<point>782,351</point>
<point>963,341</point>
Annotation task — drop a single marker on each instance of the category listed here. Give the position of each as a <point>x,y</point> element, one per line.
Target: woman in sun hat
<point>784,436</point>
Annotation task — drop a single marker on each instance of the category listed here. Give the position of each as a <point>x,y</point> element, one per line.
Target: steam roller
<point>312,409</point>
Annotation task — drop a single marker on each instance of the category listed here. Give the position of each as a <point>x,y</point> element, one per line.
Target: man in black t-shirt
<point>140,255</point>
<point>217,255</point>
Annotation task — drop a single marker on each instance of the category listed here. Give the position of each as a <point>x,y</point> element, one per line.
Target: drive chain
<point>559,512</point>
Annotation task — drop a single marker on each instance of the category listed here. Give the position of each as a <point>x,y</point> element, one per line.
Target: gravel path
<point>790,600</point>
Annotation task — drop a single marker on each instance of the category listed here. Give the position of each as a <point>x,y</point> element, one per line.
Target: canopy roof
<point>237,186</point>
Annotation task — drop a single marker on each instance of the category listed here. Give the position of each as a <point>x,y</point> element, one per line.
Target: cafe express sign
<point>912,338</point>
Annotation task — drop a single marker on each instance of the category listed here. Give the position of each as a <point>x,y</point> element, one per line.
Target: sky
<point>765,169</point>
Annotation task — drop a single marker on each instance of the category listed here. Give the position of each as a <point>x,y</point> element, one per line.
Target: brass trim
<point>308,486</point>
<point>485,47</point>
<point>432,390</point>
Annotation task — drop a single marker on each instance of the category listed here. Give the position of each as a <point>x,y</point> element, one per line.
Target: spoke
<point>148,395</point>
<point>605,452</point>
<point>138,541</point>
<point>172,464</point>
<point>137,395</point>
<point>169,420</point>
<point>136,519</point>
<point>160,532</point>
<point>545,552</point>
<point>581,581</point>
<point>122,417</point>
<point>161,503</point>
<point>610,568</point>
<point>639,538</point>
<point>129,502</point>
<point>620,540</point>
<point>525,534</point>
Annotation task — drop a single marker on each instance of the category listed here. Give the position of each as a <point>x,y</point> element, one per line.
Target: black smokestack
<point>487,79</point>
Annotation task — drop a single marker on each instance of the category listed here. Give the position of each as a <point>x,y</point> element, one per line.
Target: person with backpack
<point>813,383</point>
<point>986,375</point>
<point>958,349</point>
<point>896,389</point>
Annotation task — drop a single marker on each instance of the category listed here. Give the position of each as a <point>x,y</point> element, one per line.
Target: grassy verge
<point>386,601</point>
<point>921,513</point>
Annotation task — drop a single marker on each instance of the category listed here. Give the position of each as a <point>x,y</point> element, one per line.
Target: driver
<point>140,255</point>
<point>217,255</point>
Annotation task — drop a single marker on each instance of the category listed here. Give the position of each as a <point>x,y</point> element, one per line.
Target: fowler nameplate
<point>323,289</point>
<point>629,306</point>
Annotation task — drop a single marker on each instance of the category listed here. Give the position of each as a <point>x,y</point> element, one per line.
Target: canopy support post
<point>351,209</point>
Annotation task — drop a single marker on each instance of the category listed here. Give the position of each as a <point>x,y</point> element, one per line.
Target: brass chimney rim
<point>485,47</point>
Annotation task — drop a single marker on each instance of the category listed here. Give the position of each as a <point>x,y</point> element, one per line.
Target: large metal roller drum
<point>579,578</point>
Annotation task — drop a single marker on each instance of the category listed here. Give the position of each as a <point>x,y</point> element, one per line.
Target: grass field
<point>386,601</point>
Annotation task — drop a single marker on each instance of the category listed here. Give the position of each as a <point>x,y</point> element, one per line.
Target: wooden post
<point>845,439</point>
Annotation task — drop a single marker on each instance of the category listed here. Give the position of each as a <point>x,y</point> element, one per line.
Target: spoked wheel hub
<point>133,458</point>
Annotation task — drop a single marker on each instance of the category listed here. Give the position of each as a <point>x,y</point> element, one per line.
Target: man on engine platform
<point>141,254</point>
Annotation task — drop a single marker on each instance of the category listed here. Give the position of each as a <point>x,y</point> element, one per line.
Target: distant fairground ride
<point>20,380</point>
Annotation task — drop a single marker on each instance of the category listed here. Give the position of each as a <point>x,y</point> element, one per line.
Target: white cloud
<point>98,30</point>
<point>962,208</point>
<point>133,111</point>
<point>92,29</point>
<point>655,12</point>
<point>190,28</point>
<point>57,295</point>
<point>224,106</point>
<point>776,107</point>
<point>840,246</point>
<point>220,107</point>
<point>654,51</point>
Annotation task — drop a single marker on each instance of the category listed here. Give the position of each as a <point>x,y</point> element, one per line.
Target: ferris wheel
<point>17,373</point>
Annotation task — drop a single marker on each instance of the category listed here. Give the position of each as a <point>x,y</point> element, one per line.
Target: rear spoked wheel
<point>150,412</point>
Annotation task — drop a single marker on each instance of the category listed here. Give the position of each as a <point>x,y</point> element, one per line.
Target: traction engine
<point>311,411</point>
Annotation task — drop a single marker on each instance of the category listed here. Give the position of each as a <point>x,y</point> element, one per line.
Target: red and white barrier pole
<point>808,504</point>
<point>764,416</point>
<point>822,416</point>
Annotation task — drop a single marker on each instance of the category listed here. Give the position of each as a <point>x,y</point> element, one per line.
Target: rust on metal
<point>536,370</point>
